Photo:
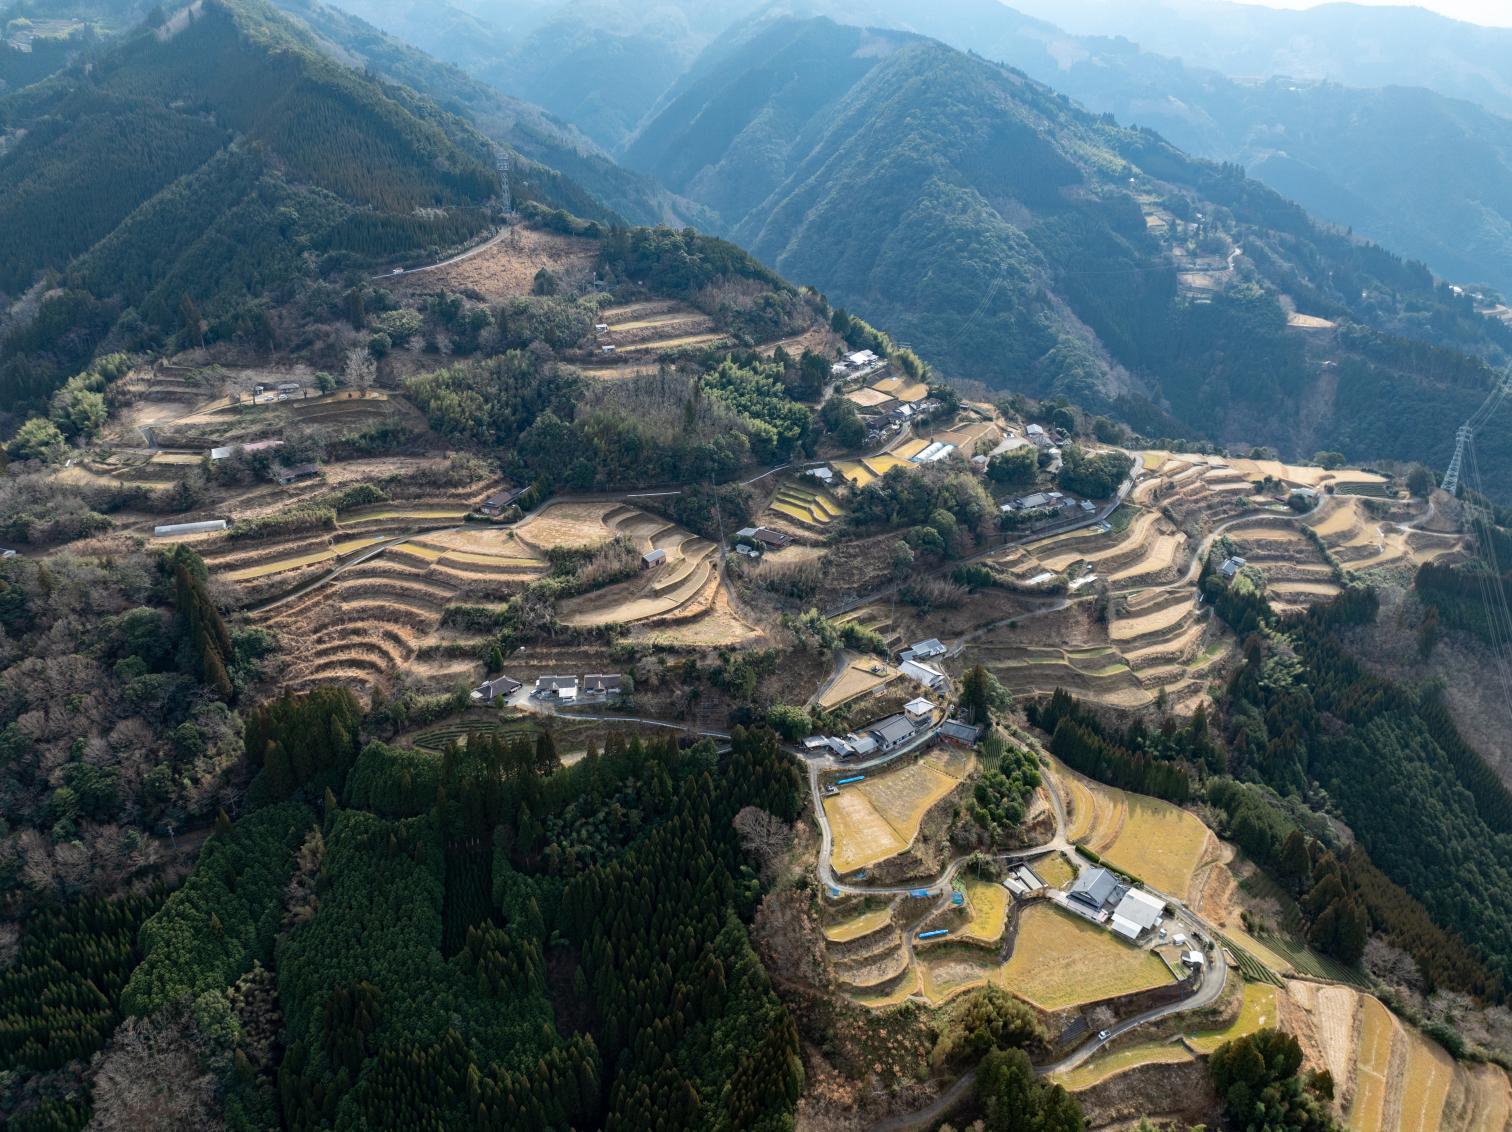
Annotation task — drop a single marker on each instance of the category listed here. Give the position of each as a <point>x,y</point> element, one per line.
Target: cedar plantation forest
<point>272,857</point>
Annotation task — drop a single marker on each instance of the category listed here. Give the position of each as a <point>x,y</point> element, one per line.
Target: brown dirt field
<point>1129,629</point>
<point>567,524</point>
<point>509,266</point>
<point>857,680</point>
<point>866,397</point>
<point>670,343</point>
<point>1308,322</point>
<point>720,625</point>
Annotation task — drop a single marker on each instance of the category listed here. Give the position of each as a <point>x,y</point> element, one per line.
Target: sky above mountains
<point>1491,13</point>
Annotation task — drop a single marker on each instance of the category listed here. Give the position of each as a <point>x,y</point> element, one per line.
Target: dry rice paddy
<point>1261,1008</point>
<point>1060,960</point>
<point>858,926</point>
<point>1098,1069</point>
<point>1377,1032</point>
<point>880,817</point>
<point>987,903</point>
<point>1157,842</point>
<point>1390,1076</point>
<point>295,562</point>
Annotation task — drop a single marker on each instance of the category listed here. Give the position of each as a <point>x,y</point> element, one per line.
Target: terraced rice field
<point>806,503</point>
<point>1159,843</point>
<point>1393,1078</point>
<point>299,561</point>
<point>902,388</point>
<point>1155,841</point>
<point>1367,1112</point>
<point>947,970</point>
<point>987,905</point>
<point>682,587</point>
<point>670,343</point>
<point>880,817</point>
<point>867,397</point>
<point>1261,1009</point>
<point>910,448</point>
<point>860,676</point>
<point>858,926</point>
<point>1060,960</point>
<point>862,472</point>
<point>452,514</point>
<point>1098,1069</point>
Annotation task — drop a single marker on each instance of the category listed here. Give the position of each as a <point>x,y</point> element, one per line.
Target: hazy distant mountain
<point>1355,44</point>
<point>1424,175</point>
<point>600,64</point>
<point>1014,238</point>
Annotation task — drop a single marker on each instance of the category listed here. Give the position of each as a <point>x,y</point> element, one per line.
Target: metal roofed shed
<point>169,530</point>
<point>653,557</point>
<point>1140,909</point>
<point>1124,929</point>
<point>931,678</point>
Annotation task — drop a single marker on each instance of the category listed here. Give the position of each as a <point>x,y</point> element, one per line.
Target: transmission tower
<point>1452,476</point>
<point>1465,434</point>
<point>503,167</point>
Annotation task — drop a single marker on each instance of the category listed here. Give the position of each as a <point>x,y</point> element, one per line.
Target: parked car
<point>1102,1035</point>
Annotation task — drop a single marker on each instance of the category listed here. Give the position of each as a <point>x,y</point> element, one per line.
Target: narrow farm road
<point>458,258</point>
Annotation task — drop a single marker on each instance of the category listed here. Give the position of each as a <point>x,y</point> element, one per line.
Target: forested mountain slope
<point>1013,238</point>
<point>1425,175</point>
<point>525,128</point>
<point>197,167</point>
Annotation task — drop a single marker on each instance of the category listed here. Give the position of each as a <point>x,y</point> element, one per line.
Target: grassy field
<point>1096,1070</point>
<point>1054,870</point>
<point>1060,960</point>
<point>879,818</point>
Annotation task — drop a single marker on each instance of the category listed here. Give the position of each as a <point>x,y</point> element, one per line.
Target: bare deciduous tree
<point>361,368</point>
<point>150,1079</point>
<point>766,837</point>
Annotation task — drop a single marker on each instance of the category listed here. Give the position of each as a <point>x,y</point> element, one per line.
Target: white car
<point>1102,1035</point>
